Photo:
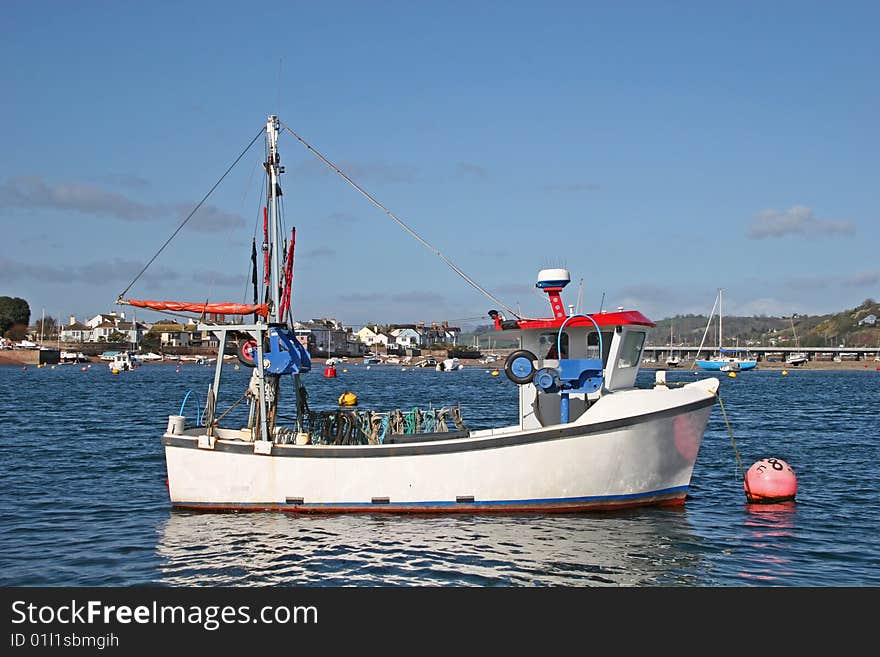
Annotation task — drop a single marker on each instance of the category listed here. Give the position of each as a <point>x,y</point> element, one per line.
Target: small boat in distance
<point>124,361</point>
<point>726,359</point>
<point>449,365</point>
<point>673,359</point>
<point>584,435</point>
<point>796,357</point>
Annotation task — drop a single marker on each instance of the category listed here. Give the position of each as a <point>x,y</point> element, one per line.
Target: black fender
<point>519,366</point>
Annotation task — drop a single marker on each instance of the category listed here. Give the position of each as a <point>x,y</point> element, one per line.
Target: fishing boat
<point>584,437</point>
<point>124,361</point>
<point>726,359</point>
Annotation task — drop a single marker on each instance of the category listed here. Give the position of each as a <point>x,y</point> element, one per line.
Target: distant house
<point>406,338</point>
<point>452,334</point>
<point>112,318</point>
<point>328,337</point>
<point>133,331</point>
<point>368,335</point>
<point>172,334</point>
<point>102,332</point>
<point>203,339</point>
<point>76,332</point>
<point>438,333</point>
<point>869,320</point>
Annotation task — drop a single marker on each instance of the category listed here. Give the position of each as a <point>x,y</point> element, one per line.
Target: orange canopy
<point>217,308</point>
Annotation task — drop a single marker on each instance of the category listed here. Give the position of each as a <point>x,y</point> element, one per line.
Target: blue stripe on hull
<point>596,502</point>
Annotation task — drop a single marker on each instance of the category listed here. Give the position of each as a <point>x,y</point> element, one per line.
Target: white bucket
<point>176,424</point>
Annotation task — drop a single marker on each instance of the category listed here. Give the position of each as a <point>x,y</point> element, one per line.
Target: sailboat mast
<point>720,329</point>
<point>273,170</point>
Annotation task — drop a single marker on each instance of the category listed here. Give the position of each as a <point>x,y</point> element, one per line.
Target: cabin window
<point>593,345</point>
<point>631,350</point>
<point>547,345</point>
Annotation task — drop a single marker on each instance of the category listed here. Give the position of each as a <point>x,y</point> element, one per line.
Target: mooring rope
<point>735,450</point>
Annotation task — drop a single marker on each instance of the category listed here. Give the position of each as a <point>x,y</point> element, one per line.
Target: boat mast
<point>720,330</point>
<point>273,169</point>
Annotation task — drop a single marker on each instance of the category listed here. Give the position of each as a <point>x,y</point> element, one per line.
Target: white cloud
<point>34,192</point>
<point>797,220</point>
<point>864,279</point>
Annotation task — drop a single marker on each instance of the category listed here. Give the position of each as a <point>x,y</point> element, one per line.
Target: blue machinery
<point>285,354</point>
<point>571,376</point>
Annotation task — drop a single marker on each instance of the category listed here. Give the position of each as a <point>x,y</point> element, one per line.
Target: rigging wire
<point>372,200</point>
<point>248,286</point>
<point>183,223</point>
<point>708,324</point>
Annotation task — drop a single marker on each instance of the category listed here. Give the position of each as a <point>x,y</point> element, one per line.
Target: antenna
<point>577,308</point>
<point>601,305</point>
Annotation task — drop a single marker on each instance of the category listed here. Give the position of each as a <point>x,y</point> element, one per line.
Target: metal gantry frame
<point>257,332</point>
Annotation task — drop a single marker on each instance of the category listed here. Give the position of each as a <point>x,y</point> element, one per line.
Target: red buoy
<point>770,481</point>
<point>330,372</point>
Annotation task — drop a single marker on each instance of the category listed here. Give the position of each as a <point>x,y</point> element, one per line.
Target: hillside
<point>832,330</point>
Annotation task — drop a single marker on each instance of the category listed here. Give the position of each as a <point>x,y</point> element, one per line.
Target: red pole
<point>265,246</point>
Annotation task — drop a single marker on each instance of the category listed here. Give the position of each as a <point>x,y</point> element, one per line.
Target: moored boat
<point>726,359</point>
<point>585,436</point>
<point>124,361</point>
<point>796,357</point>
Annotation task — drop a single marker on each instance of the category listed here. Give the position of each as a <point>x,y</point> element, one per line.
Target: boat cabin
<point>123,361</point>
<point>572,360</point>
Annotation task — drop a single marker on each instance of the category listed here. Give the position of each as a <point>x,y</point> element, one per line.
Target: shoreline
<point>820,365</point>
<point>26,357</point>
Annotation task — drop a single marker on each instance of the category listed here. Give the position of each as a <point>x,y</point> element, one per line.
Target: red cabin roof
<point>603,319</point>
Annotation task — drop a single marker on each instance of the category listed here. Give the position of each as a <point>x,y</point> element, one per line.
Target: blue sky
<point>659,150</point>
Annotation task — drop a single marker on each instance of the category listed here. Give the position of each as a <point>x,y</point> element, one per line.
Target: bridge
<point>767,353</point>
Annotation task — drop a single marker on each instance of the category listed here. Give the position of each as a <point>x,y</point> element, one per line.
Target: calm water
<point>84,499</point>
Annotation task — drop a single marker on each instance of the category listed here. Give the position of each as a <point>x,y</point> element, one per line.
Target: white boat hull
<point>608,461</point>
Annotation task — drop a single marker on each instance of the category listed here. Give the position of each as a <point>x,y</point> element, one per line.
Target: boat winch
<point>285,354</point>
<point>573,376</point>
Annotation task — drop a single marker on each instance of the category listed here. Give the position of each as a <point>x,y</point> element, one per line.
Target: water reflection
<point>768,526</point>
<point>648,547</point>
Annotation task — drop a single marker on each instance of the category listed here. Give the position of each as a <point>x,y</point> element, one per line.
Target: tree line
<point>15,315</point>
